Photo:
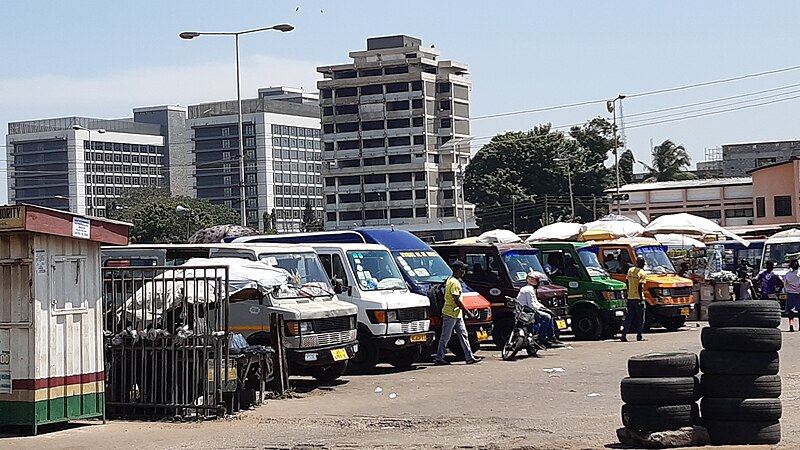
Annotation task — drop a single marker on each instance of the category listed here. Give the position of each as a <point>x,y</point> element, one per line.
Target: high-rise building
<point>282,155</point>
<point>395,131</point>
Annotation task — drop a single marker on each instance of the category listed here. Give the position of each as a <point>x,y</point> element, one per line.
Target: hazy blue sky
<point>102,58</point>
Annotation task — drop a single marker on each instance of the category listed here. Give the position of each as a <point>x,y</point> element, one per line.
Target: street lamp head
<point>283,28</point>
<point>189,35</point>
<point>100,130</point>
<point>77,127</point>
<point>182,211</point>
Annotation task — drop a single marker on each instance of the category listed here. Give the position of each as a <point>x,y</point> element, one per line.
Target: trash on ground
<point>378,390</point>
<point>554,369</point>
<point>593,394</point>
<point>393,395</point>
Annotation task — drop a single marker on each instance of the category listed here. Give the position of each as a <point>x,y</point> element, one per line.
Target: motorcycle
<point>522,335</point>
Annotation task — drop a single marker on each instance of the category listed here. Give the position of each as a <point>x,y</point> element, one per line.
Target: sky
<point>101,59</point>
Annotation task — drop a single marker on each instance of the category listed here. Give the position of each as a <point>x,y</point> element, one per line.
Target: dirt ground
<point>493,405</point>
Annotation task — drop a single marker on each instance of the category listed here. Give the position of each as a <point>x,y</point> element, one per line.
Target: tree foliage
<point>270,222</point>
<point>670,162</point>
<point>152,213</point>
<point>514,173</point>
<point>310,220</point>
<point>626,162</point>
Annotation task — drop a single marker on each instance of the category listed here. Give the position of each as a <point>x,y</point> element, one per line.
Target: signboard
<point>12,217</point>
<point>5,361</point>
<point>81,227</point>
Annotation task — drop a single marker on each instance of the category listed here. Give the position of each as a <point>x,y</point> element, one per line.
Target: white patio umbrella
<point>498,236</point>
<point>559,231</point>
<point>619,226</point>
<point>691,225</point>
<point>679,241</point>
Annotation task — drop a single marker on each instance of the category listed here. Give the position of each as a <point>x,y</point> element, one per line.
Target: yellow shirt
<point>451,289</point>
<point>636,276</point>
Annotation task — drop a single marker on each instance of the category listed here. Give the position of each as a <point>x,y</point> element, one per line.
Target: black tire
<point>745,313</point>
<point>330,372</point>
<point>741,339</point>
<point>743,433</point>
<point>455,346</point>
<point>660,391</point>
<point>511,347</point>
<point>586,324</point>
<point>501,330</point>
<point>366,358</point>
<point>405,358</point>
<point>743,386</point>
<point>659,418</point>
<point>653,365</point>
<point>739,363</point>
<point>741,409</point>
<point>611,329</point>
<point>672,323</point>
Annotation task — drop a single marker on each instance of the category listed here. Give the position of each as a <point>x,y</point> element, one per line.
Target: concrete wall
<point>777,181</point>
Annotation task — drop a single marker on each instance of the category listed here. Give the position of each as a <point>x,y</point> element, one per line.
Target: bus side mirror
<point>337,285</point>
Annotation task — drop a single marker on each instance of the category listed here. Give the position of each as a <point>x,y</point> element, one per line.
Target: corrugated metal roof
<point>707,182</point>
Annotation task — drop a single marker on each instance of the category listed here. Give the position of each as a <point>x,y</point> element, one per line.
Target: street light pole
<point>193,34</point>
<point>612,105</point>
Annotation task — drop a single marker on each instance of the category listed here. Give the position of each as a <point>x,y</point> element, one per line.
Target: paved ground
<point>495,404</point>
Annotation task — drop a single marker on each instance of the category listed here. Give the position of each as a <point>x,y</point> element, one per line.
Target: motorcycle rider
<point>527,297</point>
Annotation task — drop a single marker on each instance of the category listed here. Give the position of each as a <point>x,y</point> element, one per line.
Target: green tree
<point>670,162</point>
<point>626,162</point>
<point>270,222</point>
<point>310,220</point>
<point>152,213</point>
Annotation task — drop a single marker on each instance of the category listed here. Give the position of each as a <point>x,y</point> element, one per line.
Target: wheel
<point>501,331</point>
<point>745,313</point>
<point>739,363</point>
<point>743,433</point>
<point>611,329</point>
<point>511,347</point>
<point>586,324</point>
<point>741,339</point>
<point>659,391</point>
<point>406,357</point>
<point>672,323</point>
<point>677,364</point>
<point>741,409</point>
<point>366,357</point>
<point>744,386</point>
<point>659,418</point>
<point>329,372</point>
<point>455,346</point>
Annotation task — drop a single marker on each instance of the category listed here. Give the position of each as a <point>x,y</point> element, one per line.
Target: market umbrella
<point>679,241</point>
<point>559,231</point>
<point>619,226</point>
<point>215,234</point>
<point>691,225</point>
<point>498,236</point>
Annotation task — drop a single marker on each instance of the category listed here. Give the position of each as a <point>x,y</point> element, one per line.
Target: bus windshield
<point>655,260</point>
<point>423,267</point>
<point>375,270</point>
<point>306,275</point>
<point>780,253</point>
<point>519,263</point>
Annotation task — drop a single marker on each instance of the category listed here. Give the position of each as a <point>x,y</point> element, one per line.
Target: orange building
<point>776,190</point>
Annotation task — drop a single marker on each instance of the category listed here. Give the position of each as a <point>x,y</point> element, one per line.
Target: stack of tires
<point>661,392</point>
<point>740,382</point>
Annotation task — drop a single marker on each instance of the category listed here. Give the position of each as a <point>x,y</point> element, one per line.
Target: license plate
<point>561,324</point>
<point>684,311</point>
<point>339,354</point>
<point>482,336</point>
<point>419,338</point>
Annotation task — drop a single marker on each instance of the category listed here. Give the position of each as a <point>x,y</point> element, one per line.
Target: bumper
<point>673,310</point>
<point>610,315</point>
<point>399,341</point>
<point>479,332</point>
<point>320,356</point>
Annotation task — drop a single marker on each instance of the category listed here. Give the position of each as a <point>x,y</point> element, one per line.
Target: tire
<point>741,339</point>
<point>331,372</point>
<point>743,433</point>
<point>672,323</point>
<point>739,363</point>
<point>455,347</point>
<point>653,365</point>
<point>511,347</point>
<point>659,418</point>
<point>406,357</point>
<point>611,329</point>
<point>366,358</point>
<point>586,324</point>
<point>741,409</point>
<point>743,386</point>
<point>745,313</point>
<point>660,391</point>
<point>501,331</point>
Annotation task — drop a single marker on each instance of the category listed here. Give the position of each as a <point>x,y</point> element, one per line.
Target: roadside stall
<point>51,337</point>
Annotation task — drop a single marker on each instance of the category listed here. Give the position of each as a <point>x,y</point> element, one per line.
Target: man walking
<point>769,283</point>
<point>636,305</point>
<point>792,279</point>
<point>452,317</point>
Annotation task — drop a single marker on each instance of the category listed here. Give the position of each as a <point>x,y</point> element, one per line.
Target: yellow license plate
<point>684,311</point>
<point>339,354</point>
<point>482,336</point>
<point>419,338</point>
<point>561,324</point>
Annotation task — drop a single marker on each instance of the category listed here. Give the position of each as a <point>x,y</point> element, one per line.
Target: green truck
<point>596,301</point>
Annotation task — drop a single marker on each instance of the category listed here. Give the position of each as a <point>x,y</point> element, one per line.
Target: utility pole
<point>546,211</point>
<point>594,207</point>
<point>513,215</point>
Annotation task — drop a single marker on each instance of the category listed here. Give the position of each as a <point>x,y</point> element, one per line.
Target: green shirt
<point>451,289</point>
<point>636,276</point>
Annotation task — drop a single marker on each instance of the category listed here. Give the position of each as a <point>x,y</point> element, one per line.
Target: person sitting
<point>552,267</point>
<point>613,265</point>
<point>527,298</point>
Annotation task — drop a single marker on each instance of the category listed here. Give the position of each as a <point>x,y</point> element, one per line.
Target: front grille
<point>481,314</point>
<point>412,314</point>
<point>329,324</point>
<point>555,302</point>
<point>685,291</point>
<point>620,295</point>
<point>418,326</point>
<point>336,337</point>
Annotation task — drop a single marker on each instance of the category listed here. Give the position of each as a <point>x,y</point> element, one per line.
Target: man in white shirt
<point>527,297</point>
<point>791,282</point>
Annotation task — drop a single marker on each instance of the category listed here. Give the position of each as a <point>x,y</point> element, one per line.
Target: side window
<point>611,260</point>
<point>554,263</point>
<point>625,261</point>
<point>481,268</point>
<point>339,270</point>
<point>570,266</point>
<point>326,264</point>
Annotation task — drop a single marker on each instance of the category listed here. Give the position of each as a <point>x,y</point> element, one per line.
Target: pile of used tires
<point>661,392</point>
<point>740,382</point>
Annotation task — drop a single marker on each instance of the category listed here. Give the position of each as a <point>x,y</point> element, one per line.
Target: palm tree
<point>669,162</point>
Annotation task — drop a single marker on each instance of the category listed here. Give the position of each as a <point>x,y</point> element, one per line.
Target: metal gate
<point>167,342</point>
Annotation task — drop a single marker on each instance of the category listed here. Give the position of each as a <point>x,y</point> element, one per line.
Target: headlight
<point>391,316</point>
<point>380,315</point>
<point>608,295</point>
<point>293,328</point>
<point>306,327</point>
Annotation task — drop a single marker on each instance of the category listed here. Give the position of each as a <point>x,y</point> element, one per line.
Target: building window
<point>378,161</point>
<point>375,179</point>
<point>346,127</point>
<point>372,125</point>
<point>761,210</point>
<point>397,123</point>
<point>397,106</point>
<point>250,142</point>
<point>783,205</point>
<point>400,195</point>
<point>370,73</point>
<point>400,178</point>
<point>399,141</point>
<point>444,105</point>
<point>740,212</point>
<point>326,93</point>
<point>327,128</point>
<point>226,180</point>
<point>374,89</point>
<point>395,70</point>
<point>396,87</point>
<point>350,215</point>
<point>445,123</point>
<point>226,131</point>
<point>400,159</point>
<point>347,109</point>
<point>349,198</point>
<point>371,143</point>
<point>375,214</point>
<point>402,213</point>
<point>443,87</point>
<point>331,216</point>
<point>421,212</point>
<point>249,129</point>
<point>349,181</point>
<point>226,143</point>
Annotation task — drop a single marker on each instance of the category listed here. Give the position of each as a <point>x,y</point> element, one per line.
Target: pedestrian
<point>792,280</point>
<point>453,317</point>
<point>634,318</point>
<point>744,286</point>
<point>684,270</point>
<point>769,283</point>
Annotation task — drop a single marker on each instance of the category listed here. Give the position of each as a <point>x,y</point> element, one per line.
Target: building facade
<point>776,192</point>
<point>395,132</point>
<point>283,156</point>
<point>738,159</point>
<point>81,164</point>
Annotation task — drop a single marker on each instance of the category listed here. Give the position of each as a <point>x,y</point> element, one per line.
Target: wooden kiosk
<point>51,335</point>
